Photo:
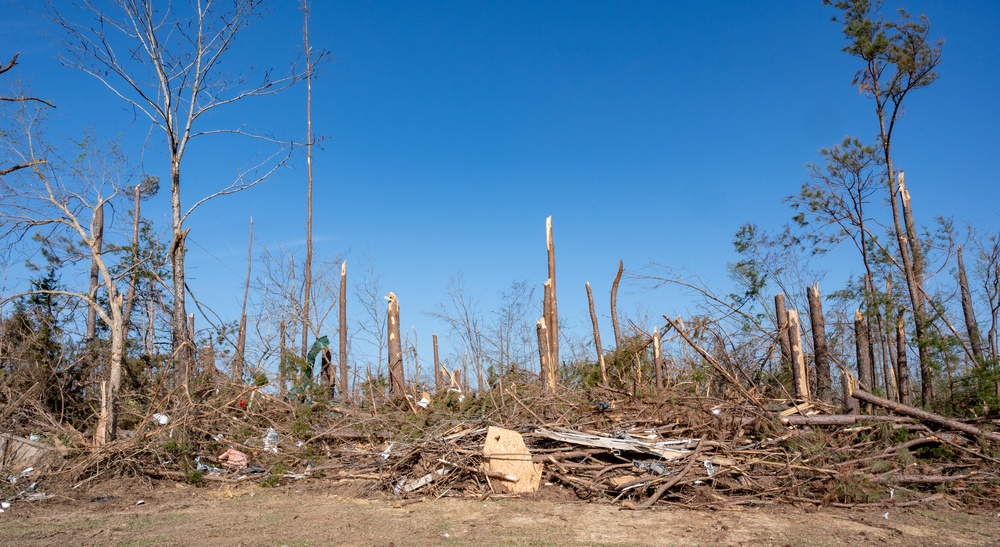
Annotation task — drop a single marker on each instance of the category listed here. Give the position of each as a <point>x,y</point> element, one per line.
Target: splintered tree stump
<point>800,374</point>
<point>505,453</point>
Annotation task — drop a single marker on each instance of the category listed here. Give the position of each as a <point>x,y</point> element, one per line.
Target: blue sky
<point>649,131</point>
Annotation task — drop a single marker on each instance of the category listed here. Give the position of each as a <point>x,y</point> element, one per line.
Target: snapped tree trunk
<point>824,386</point>
<point>902,367</point>
<point>548,374</point>
<point>614,304</point>
<point>971,326</point>
<point>397,384</point>
<point>862,344</point>
<point>800,375</point>
<point>597,336</point>
<point>913,272</point>
<point>784,343</point>
<point>543,354</point>
<point>344,377</point>
<point>657,358</point>
<point>552,316</point>
<point>438,373</point>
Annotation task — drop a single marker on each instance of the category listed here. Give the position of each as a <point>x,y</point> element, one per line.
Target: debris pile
<point>676,447</point>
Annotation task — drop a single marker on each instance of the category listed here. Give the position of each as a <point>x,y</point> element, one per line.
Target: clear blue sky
<point>647,130</point>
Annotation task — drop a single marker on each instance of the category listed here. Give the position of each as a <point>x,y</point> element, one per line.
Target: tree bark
<point>543,354</point>
<point>282,361</point>
<point>191,368</point>
<point>902,368</point>
<point>862,345</point>
<point>840,419</point>
<point>134,266</point>
<point>657,358</point>
<point>552,321</point>
<point>597,336</point>
<point>97,229</point>
<point>824,385</point>
<point>784,342</point>
<point>918,297</point>
<point>851,404</point>
<point>438,374</point>
<point>971,326</point>
<point>327,372</point>
<point>397,384</point>
<point>344,379</point>
<point>800,375</point>
<point>307,267</point>
<point>920,414</point>
<point>551,365</point>
<point>183,350</point>
<point>614,304</point>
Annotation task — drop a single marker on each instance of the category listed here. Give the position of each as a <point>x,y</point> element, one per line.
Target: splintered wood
<point>505,452</point>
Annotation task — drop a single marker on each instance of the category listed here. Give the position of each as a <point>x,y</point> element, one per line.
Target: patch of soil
<point>316,512</point>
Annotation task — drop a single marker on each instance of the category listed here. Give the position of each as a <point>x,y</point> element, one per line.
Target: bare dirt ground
<point>319,513</point>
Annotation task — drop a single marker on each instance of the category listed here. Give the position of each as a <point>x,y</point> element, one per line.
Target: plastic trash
<point>271,440</point>
<point>652,467</point>
<point>709,467</point>
<point>387,452</point>
<point>22,475</point>
<point>5,505</point>
<point>161,419</point>
<point>35,437</point>
<point>233,458</point>
<point>602,406</point>
<point>211,469</point>
<point>423,402</point>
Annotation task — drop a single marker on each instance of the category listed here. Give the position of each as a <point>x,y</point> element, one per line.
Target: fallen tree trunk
<point>840,419</point>
<point>919,414</point>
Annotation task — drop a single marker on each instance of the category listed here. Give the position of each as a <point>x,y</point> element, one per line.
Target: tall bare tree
<point>307,267</point>
<point>170,63</point>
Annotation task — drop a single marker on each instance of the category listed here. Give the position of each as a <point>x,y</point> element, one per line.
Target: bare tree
<point>60,198</point>
<point>168,62</point>
<point>307,267</point>
<point>372,321</point>
<point>466,326</point>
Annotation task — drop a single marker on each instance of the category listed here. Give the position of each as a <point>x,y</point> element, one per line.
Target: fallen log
<point>840,419</point>
<point>923,415</point>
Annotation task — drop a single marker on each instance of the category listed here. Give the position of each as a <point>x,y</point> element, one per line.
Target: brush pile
<point>672,448</point>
